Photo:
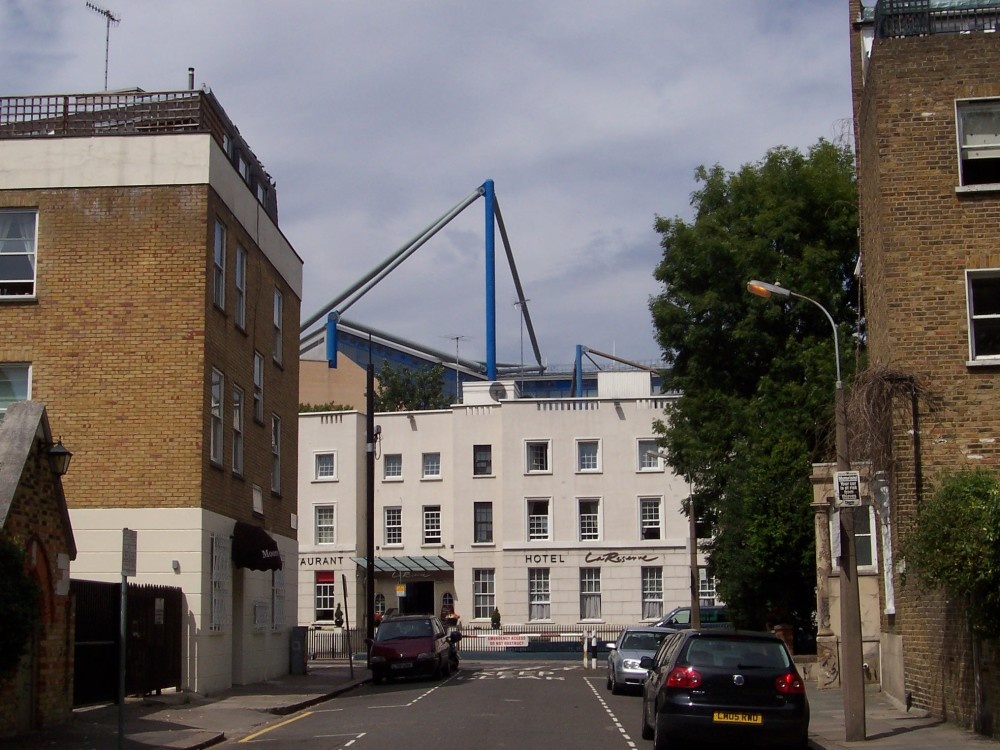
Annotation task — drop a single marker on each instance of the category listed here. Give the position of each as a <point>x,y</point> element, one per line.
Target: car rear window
<point>735,652</point>
<point>640,641</point>
<point>391,629</point>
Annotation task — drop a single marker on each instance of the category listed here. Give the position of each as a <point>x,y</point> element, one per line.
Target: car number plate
<point>736,717</point>
<point>401,665</point>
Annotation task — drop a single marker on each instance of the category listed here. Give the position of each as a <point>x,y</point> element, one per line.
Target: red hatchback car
<point>411,645</point>
<point>737,688</point>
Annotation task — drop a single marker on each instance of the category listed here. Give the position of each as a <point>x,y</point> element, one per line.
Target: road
<point>486,705</point>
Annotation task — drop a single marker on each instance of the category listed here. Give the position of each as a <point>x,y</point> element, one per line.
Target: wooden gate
<point>153,646</point>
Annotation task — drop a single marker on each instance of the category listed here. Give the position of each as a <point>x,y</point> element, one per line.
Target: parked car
<point>732,687</point>
<point>635,642</point>
<point>712,618</point>
<point>411,645</point>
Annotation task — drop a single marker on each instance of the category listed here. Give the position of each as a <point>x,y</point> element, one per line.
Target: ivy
<point>19,593</point>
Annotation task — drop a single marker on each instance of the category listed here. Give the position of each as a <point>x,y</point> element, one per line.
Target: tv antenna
<point>111,18</point>
<point>457,339</point>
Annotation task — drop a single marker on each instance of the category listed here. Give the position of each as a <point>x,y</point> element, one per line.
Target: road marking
<point>255,735</point>
<point>419,697</point>
<point>617,723</point>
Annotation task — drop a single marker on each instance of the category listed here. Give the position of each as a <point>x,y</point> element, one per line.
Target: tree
<point>756,378</point>
<point>402,389</point>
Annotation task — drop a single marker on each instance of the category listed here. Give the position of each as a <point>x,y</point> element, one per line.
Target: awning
<point>429,564</point>
<point>254,548</point>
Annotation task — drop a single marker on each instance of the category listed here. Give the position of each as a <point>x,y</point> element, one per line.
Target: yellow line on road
<point>254,736</point>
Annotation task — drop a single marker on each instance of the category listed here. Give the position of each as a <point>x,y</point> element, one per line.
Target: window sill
<point>984,362</point>
<point>392,479</point>
<point>589,471</point>
<point>431,479</point>
<point>546,473</point>
<point>325,480</point>
<point>484,544</point>
<point>432,545</point>
<point>394,545</point>
<point>483,476</point>
<point>989,187</point>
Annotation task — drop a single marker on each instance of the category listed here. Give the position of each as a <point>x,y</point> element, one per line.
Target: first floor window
<point>590,593</point>
<point>483,513</point>
<point>221,578</point>
<point>432,524</point>
<point>257,493</point>
<point>326,466</point>
<point>325,594</point>
<point>432,465</point>
<point>278,315</point>
<point>483,593</point>
<point>326,528</point>
<point>15,383</point>
<point>219,266</point>
<point>240,311</point>
<point>536,458</point>
<point>539,597</point>
<point>538,519</point>
<point>258,387</point>
<point>587,455</point>
<point>237,430</point>
<point>394,525</point>
<point>275,453</point>
<point>652,593</point>
<point>864,541</point>
<point>590,525</point>
<point>482,460</point>
<point>979,141</point>
<point>648,461</point>
<point>18,253</point>
<point>392,466</point>
<point>215,444</point>
<point>983,294</point>
<point>649,518</point>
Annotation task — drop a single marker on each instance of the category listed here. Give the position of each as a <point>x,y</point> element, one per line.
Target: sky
<point>376,118</point>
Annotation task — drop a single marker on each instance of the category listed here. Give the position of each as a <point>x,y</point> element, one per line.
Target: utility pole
<point>110,18</point>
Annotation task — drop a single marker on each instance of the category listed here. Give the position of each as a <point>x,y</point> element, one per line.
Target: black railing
<point>902,18</point>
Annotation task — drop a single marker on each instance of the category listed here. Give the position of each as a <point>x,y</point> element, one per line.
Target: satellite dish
<point>497,391</point>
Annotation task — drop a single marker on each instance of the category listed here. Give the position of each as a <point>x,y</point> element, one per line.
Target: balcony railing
<point>902,18</point>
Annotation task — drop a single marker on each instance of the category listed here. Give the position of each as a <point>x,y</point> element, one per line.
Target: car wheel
<point>610,681</point>
<point>446,667</point>
<point>660,739</point>
<point>647,730</point>
<point>377,677</point>
<point>616,687</point>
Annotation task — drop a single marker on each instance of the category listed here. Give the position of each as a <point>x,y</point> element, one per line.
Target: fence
<point>325,645</point>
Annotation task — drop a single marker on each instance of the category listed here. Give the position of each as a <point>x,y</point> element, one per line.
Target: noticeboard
<point>847,488</point>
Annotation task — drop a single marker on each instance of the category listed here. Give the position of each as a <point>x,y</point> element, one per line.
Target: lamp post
<point>852,664</point>
<point>693,550</point>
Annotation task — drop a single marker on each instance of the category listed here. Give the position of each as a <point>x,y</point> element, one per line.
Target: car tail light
<point>789,684</point>
<point>683,677</point>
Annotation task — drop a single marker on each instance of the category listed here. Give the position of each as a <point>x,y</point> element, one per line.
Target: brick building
<point>927,131</point>
<point>149,299</point>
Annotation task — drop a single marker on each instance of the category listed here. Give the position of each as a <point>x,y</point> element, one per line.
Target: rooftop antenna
<point>111,18</point>
<point>456,339</point>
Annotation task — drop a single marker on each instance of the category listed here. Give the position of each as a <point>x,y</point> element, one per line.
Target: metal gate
<point>153,649</point>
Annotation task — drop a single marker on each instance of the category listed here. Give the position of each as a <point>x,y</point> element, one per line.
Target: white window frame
<point>279,307</point>
<point>532,456</point>
<point>240,311</point>
<point>986,149</point>
<point>258,387</point>
<point>983,318</point>
<point>220,576</point>
<point>484,594</point>
<point>430,464</point>
<point>587,458</point>
<point>15,384</point>
<point>28,249</point>
<point>217,406</point>
<point>325,523</point>
<point>539,594</point>
<point>707,594</point>
<point>219,266</point>
<point>538,526</point>
<point>588,524</point>
<point>275,454</point>
<point>652,592</point>
<point>324,595</point>
<point>432,525</point>
<point>482,454</point>
<point>869,538</point>
<point>645,462</point>
<point>392,467</point>
<point>645,518</point>
<point>237,425</point>
<point>257,494</point>
<point>590,593</point>
<point>393,525</point>
<point>482,522</point>
<point>321,472</point>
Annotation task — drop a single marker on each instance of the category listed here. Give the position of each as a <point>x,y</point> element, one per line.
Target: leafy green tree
<point>756,377</point>
<point>19,593</point>
<point>956,544</point>
<point>402,389</point>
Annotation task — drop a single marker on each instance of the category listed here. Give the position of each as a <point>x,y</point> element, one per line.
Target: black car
<point>732,687</point>
<point>712,618</point>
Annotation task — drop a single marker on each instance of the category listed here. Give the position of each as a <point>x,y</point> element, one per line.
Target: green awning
<point>419,564</point>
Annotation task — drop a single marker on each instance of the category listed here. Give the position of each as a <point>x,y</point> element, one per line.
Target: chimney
<point>191,79</point>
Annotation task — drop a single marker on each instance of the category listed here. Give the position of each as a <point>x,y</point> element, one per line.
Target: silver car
<point>635,642</point>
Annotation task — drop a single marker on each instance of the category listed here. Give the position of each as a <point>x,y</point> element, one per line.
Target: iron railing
<point>903,18</point>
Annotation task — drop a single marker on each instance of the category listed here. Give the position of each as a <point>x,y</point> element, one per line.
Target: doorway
<point>419,599</point>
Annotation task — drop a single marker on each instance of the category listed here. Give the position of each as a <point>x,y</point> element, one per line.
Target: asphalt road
<point>485,705</point>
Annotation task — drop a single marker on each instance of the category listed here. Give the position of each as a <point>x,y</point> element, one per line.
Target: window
<point>864,541</point>
<point>706,589</point>
<point>278,311</point>
<point>432,524</point>
<point>482,460</point>
<point>590,593</point>
<point>590,524</point>
<point>588,453</point>
<point>215,438</point>
<point>326,599</point>
<point>15,384</point>
<point>258,387</point>
<point>983,296</point>
<point>326,466</point>
<point>538,519</point>
<point>275,453</point>
<point>483,592</point>
<point>392,466</point>
<point>241,288</point>
<point>394,525</point>
<point>537,457</point>
<point>483,515</point>
<point>539,597</point>
<point>17,253</point>
<point>432,466</point>
<point>646,461</point>
<point>243,167</point>
<point>258,499</point>
<point>326,526</point>
<point>380,604</point>
<point>221,576</point>
<point>650,525</point>
<point>978,141</point>
<point>652,593</point>
<point>219,266</point>
<point>237,430</point>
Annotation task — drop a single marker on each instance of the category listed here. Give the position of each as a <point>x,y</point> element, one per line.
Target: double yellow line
<point>286,722</point>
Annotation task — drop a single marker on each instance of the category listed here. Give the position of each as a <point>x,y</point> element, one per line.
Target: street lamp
<point>693,552</point>
<point>852,664</point>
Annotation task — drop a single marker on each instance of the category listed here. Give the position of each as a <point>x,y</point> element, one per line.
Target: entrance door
<point>419,599</point>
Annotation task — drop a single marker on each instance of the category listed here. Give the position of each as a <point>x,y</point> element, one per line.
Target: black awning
<point>254,548</point>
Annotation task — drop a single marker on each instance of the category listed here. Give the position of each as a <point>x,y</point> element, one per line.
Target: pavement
<point>188,721</point>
